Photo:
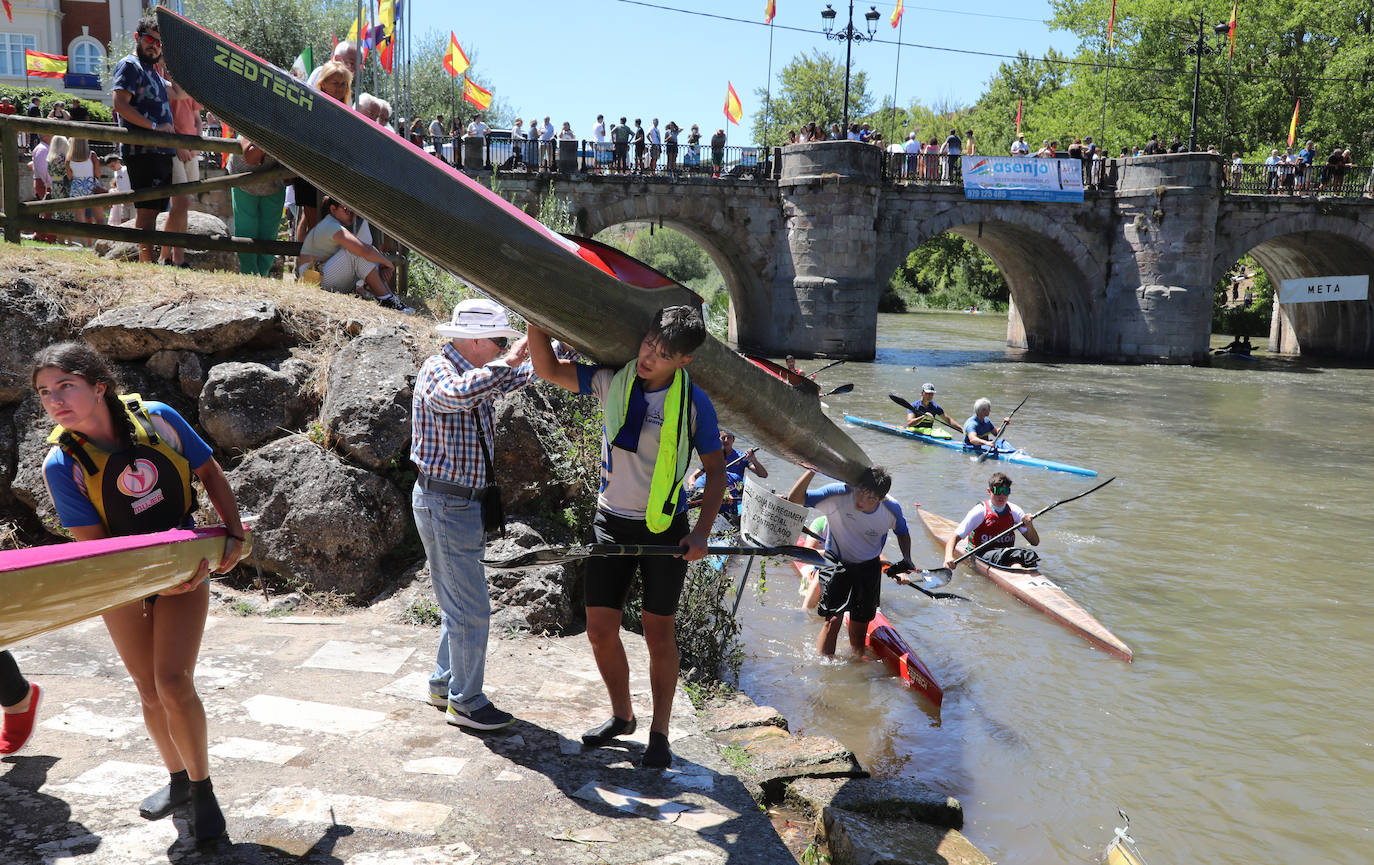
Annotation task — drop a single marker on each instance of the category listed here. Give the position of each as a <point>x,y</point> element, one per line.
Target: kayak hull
<point>1016,457</point>
<point>1036,590</point>
<point>599,301</point>
<point>50,587</point>
<point>884,641</point>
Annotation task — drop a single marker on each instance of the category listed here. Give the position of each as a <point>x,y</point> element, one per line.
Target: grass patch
<point>737,758</point>
<point>422,612</point>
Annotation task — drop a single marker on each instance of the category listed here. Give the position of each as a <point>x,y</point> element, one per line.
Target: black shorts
<point>306,195</point>
<point>609,579</point>
<point>851,587</point>
<point>149,171</point>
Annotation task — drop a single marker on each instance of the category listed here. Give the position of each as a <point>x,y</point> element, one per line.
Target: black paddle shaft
<point>911,408</point>
<point>1046,509</point>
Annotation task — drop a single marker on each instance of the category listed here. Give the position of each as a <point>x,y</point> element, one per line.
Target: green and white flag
<point>304,64</point>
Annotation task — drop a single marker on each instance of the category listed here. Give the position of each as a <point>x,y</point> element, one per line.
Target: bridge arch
<point>1297,245</point>
<point>730,236</point>
<point>1054,277</point>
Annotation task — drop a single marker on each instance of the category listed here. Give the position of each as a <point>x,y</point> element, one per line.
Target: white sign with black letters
<point>1313,289</point>
<point>769,519</point>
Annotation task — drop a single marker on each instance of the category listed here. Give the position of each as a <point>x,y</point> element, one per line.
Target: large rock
<point>529,434</point>
<point>538,600</point>
<point>199,259</point>
<point>206,325</point>
<point>317,519</point>
<point>244,405</point>
<point>367,395</point>
<point>30,319</point>
<point>31,428</point>
<point>904,798</point>
<point>860,839</point>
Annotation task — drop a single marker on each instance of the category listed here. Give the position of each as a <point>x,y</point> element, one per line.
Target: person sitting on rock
<point>339,255</point>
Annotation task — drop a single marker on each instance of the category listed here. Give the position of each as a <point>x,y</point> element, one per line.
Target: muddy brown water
<point>1232,554</point>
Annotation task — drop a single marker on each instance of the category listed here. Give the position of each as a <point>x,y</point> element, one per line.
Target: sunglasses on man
<point>501,341</point>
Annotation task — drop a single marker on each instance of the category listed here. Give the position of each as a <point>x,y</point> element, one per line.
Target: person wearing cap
<point>926,412</point>
<point>736,464</point>
<point>986,520</point>
<point>654,418</point>
<point>452,437</point>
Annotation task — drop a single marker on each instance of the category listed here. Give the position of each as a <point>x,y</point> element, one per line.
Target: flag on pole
<point>357,34</point>
<point>455,61</point>
<point>768,11</point>
<point>1018,116</point>
<point>897,13</point>
<point>9,10</point>
<point>1231,27</point>
<point>1293,127</point>
<point>41,65</point>
<point>386,23</point>
<point>1111,27</point>
<point>733,110</point>
<point>304,63</point>
<point>476,95</point>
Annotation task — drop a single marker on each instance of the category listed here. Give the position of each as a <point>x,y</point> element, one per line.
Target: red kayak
<point>782,373</point>
<point>888,645</point>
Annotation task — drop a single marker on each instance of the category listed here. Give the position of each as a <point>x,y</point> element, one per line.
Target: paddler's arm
<point>904,544</point>
<point>711,496</point>
<point>1031,534</point>
<point>797,495</point>
<point>549,366</point>
<point>950,544</point>
<point>755,464</point>
<point>221,495</point>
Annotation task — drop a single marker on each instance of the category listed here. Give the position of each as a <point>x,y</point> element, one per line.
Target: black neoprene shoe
<point>599,736</point>
<point>168,799</point>
<point>657,755</point>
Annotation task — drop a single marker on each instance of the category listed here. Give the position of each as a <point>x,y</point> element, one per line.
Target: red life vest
<point>993,524</point>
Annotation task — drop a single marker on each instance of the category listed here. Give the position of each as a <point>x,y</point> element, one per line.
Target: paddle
<point>892,571</point>
<point>844,388</point>
<point>560,555</point>
<point>824,368</point>
<point>911,408</point>
<point>998,434</point>
<point>936,577</point>
<point>743,580</point>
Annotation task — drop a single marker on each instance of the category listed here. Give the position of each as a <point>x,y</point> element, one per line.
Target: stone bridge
<point>1127,275</point>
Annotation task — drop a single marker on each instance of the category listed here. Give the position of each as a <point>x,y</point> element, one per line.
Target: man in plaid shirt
<point>451,408</point>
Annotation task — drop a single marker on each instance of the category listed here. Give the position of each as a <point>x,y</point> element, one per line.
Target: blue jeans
<point>451,530</point>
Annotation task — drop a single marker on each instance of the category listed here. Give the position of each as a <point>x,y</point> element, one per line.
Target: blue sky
<point>574,59</point>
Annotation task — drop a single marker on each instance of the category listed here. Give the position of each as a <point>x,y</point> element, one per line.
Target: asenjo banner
<point>1022,178</point>
<point>1313,289</point>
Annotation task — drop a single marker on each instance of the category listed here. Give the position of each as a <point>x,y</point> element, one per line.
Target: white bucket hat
<point>478,318</point>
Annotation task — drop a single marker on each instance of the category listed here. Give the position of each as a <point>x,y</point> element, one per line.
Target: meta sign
<point>1313,289</point>
<point>1021,178</point>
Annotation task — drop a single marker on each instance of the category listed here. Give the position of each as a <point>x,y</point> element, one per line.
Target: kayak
<point>1004,453</point>
<point>595,298</point>
<point>782,373</point>
<point>886,643</point>
<point>1036,590</point>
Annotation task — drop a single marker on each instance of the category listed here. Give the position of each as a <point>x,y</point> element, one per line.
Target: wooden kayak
<point>886,643</point>
<point>50,587</point>
<point>1036,590</point>
<point>596,299</point>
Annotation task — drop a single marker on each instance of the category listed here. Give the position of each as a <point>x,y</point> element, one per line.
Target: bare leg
<point>858,636</point>
<point>145,220</point>
<point>603,631</point>
<point>176,221</point>
<point>664,665</point>
<point>830,635</point>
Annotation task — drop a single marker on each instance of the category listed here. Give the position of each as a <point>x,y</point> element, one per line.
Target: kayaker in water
<point>858,519</point>
<point>1239,345</point>
<point>980,432</point>
<point>736,464</point>
<point>927,411</point>
<point>986,519</point>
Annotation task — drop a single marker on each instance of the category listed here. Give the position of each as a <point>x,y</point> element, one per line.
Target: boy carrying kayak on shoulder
<point>654,418</point>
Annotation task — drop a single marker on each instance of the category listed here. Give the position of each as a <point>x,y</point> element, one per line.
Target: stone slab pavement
<point>324,750</point>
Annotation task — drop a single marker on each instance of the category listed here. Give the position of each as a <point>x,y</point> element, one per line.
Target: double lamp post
<point>849,36</point>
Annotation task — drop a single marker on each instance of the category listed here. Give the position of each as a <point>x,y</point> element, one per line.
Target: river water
<point>1232,553</point>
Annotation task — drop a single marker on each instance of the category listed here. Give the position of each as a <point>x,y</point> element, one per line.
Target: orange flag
<point>768,11</point>
<point>455,61</point>
<point>733,110</point>
<point>476,95</point>
<point>897,13</point>
<point>1231,27</point>
<point>9,10</point>
<point>1293,127</point>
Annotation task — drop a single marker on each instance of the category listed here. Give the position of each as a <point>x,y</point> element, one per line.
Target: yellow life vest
<point>674,441</point>
<point>145,488</point>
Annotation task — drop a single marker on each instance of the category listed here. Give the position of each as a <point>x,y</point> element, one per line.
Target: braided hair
<point>80,358</point>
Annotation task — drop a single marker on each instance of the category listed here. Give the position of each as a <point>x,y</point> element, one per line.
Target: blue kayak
<point>1004,453</point>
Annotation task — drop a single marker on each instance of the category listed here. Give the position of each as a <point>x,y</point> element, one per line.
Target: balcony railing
<point>500,153</point>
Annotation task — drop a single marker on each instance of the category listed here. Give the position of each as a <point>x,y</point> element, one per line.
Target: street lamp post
<point>1197,50</point>
<point>849,36</point>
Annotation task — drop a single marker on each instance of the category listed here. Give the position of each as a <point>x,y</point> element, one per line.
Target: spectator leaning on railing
<point>140,100</point>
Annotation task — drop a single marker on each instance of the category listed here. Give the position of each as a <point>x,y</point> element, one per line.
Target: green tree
<point>810,89</point>
<point>1034,84</point>
<point>949,272</point>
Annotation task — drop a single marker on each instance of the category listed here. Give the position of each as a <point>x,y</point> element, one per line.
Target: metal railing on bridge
<point>943,169</point>
<point>503,154</point>
<point>1286,179</point>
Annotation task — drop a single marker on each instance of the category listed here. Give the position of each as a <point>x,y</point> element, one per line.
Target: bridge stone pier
<point>1125,276</point>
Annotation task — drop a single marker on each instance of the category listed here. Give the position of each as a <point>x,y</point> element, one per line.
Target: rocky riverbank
<point>305,397</point>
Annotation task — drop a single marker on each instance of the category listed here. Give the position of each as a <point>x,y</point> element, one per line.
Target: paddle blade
<point>842,389</point>
<point>901,402</point>
<point>934,578</point>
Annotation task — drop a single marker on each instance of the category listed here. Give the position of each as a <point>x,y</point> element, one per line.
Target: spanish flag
<point>1231,27</point>
<point>897,13</point>
<point>45,65</point>
<point>1293,127</point>
<point>768,11</point>
<point>9,10</point>
<point>1111,27</point>
<point>455,61</point>
<point>476,95</point>
<point>733,109</point>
